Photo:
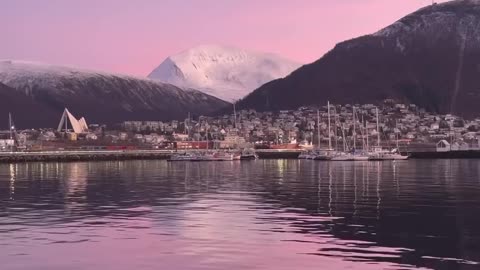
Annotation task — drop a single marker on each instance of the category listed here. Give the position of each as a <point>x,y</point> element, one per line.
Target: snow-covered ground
<point>17,71</point>
<point>225,72</point>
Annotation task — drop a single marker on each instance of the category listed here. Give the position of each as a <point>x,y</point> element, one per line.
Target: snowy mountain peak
<point>440,15</point>
<point>225,72</point>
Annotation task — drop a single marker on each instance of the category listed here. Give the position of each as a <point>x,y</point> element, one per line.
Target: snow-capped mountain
<point>430,58</point>
<point>224,72</point>
<point>100,97</point>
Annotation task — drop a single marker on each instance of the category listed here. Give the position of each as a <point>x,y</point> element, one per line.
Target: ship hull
<point>278,153</point>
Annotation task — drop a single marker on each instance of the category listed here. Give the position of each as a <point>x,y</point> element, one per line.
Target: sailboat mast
<point>366,131</point>
<point>10,125</point>
<point>234,116</point>
<point>378,129</point>
<point>318,128</point>
<point>354,133</point>
<point>335,132</point>
<point>206,136</point>
<point>187,125</point>
<point>329,129</point>
<point>396,135</point>
<point>362,129</point>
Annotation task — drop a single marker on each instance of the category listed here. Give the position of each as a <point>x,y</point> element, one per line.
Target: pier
<point>49,156</point>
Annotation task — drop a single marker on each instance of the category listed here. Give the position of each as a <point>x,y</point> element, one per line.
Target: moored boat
<point>379,154</point>
<point>202,156</point>
<point>186,156</point>
<point>360,157</point>
<point>341,156</point>
<point>248,154</point>
<point>218,156</point>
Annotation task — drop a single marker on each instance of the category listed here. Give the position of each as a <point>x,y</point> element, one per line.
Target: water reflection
<point>258,214</point>
<point>12,180</point>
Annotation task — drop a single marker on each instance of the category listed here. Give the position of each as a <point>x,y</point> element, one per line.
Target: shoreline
<point>112,155</point>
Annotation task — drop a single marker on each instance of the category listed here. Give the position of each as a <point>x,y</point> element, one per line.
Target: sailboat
<point>324,154</point>
<point>362,155</point>
<point>11,143</point>
<point>311,154</point>
<point>380,154</point>
<point>342,155</point>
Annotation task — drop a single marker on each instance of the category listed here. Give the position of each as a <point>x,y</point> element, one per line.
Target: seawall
<point>50,156</point>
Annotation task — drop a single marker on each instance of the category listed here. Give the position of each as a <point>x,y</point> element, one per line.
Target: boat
<point>186,156</point>
<point>202,156</point>
<point>311,154</point>
<point>10,144</point>
<point>379,154</point>
<point>305,155</point>
<point>279,151</point>
<point>323,154</point>
<point>218,156</point>
<point>360,156</point>
<point>248,156</point>
<point>237,156</point>
<point>342,156</point>
<point>291,146</point>
<point>305,145</point>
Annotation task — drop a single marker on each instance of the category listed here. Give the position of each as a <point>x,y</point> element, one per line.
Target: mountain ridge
<point>100,96</point>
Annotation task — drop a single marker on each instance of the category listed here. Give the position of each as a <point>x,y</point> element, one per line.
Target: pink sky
<point>134,37</point>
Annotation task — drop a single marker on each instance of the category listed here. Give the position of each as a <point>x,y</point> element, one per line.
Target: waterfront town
<point>403,124</point>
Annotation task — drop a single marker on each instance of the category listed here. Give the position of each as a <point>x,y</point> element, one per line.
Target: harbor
<point>104,155</point>
<point>336,133</point>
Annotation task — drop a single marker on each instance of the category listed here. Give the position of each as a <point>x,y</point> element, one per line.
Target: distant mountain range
<point>38,93</point>
<point>430,57</point>
<point>224,72</point>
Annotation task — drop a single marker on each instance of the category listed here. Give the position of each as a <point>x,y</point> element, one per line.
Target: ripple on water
<point>249,215</point>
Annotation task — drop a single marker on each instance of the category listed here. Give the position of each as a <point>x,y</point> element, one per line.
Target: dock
<point>62,156</point>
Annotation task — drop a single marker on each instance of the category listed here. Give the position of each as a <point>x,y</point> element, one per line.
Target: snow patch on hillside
<point>26,75</point>
<point>12,69</point>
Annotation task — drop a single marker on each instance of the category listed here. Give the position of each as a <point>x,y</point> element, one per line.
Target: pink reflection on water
<point>221,231</point>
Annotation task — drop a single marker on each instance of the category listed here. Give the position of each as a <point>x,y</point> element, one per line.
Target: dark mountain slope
<point>20,105</point>
<point>100,97</point>
<point>430,58</point>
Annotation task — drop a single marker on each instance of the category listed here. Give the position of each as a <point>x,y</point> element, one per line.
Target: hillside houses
<point>396,121</point>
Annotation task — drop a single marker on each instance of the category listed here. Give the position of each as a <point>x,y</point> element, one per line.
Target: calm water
<point>248,215</point>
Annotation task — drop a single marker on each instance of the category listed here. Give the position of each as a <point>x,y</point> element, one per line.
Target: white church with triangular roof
<point>78,126</point>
